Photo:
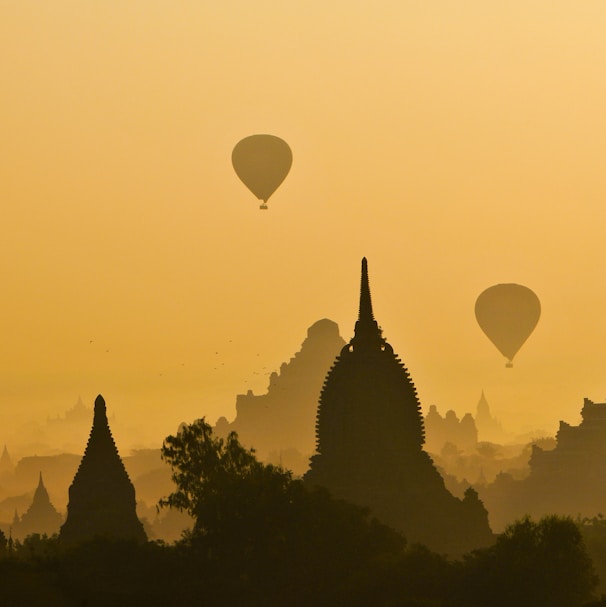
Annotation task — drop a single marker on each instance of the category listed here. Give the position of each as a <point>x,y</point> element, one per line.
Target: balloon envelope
<point>262,162</point>
<point>508,314</point>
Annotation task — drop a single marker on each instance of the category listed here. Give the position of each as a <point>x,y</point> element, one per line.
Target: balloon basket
<point>263,206</point>
<point>509,365</point>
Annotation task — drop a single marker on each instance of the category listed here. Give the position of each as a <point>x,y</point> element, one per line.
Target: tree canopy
<point>532,563</point>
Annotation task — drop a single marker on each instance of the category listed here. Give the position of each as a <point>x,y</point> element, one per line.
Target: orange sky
<point>455,144</point>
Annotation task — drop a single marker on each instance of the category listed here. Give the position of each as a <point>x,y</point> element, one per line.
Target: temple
<point>566,480</point>
<point>489,428</point>
<point>369,441</point>
<point>282,420</point>
<point>6,463</point>
<point>101,496</point>
<point>41,517</point>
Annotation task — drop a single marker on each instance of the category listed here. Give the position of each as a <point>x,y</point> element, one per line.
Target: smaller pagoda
<point>6,463</point>
<point>41,517</point>
<point>101,496</point>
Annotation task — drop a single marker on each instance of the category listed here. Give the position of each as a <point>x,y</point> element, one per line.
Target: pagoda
<point>369,441</point>
<point>489,428</point>
<point>41,517</point>
<point>6,463</point>
<point>101,496</point>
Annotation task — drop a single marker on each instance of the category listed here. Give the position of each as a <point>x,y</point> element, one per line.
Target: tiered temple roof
<point>101,496</point>
<point>370,437</point>
<point>41,517</point>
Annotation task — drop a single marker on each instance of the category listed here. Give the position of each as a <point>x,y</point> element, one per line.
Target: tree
<point>263,533</point>
<point>220,483</point>
<point>532,563</point>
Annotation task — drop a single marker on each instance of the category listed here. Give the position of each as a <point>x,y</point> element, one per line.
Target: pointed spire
<point>482,407</point>
<point>41,494</point>
<point>365,312</point>
<point>5,460</point>
<point>101,496</point>
<point>100,410</point>
<point>367,332</point>
<point>100,421</point>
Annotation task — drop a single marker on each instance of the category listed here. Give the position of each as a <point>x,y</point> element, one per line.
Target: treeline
<point>261,538</point>
<point>357,563</point>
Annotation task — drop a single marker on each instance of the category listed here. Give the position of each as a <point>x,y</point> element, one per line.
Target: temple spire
<point>100,411</point>
<point>41,517</point>
<point>367,331</point>
<point>41,494</point>
<point>365,313</point>
<point>101,496</point>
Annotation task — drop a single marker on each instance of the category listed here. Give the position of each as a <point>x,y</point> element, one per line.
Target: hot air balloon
<point>508,314</point>
<point>262,162</point>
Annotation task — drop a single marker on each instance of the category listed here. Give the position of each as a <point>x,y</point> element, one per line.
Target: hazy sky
<point>454,144</point>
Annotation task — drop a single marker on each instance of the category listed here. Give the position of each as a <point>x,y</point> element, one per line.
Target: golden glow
<point>456,145</point>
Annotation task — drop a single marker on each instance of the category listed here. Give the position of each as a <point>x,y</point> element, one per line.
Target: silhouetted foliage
<point>266,528</point>
<point>262,538</point>
<point>532,563</point>
<point>219,482</point>
<point>36,547</point>
<point>3,543</point>
<point>333,556</point>
<point>594,535</point>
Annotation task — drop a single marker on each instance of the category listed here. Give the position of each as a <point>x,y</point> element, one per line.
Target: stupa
<point>101,496</point>
<point>370,436</point>
<point>41,517</point>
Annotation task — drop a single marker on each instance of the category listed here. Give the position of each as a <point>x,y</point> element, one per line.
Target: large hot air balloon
<point>508,314</point>
<point>262,163</point>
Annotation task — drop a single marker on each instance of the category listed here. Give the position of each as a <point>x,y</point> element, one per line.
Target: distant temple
<point>6,463</point>
<point>101,497</point>
<point>449,430</point>
<point>370,437</point>
<point>489,428</point>
<point>41,517</point>
<point>566,480</point>
<point>283,419</point>
<point>76,416</point>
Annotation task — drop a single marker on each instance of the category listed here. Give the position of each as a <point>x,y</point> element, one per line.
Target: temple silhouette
<point>6,463</point>
<point>489,427</point>
<point>370,436</point>
<point>41,517</point>
<point>101,496</point>
<point>442,431</point>
<point>566,480</point>
<point>282,420</point>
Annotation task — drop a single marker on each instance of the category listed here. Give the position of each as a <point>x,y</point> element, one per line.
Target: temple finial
<point>365,313</point>
<point>366,332</point>
<point>99,404</point>
<point>100,415</point>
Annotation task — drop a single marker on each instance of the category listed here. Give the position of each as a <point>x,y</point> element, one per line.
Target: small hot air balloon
<point>262,162</point>
<point>508,314</point>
